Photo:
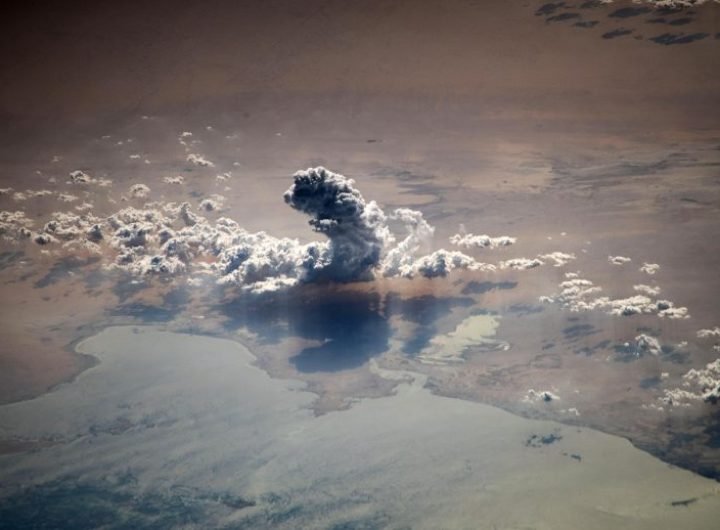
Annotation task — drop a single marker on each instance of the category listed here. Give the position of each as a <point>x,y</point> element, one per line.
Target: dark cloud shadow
<point>9,258</point>
<point>620,32</point>
<point>586,24</point>
<point>563,17</point>
<point>668,39</point>
<point>351,325</point>
<point>63,269</point>
<point>548,9</point>
<point>474,287</point>
<point>627,12</point>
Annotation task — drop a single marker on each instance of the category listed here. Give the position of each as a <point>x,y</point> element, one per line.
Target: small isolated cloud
<point>80,177</point>
<point>179,179</point>
<point>619,260</point>
<point>481,241</point>
<point>650,268</point>
<point>199,160</point>
<point>139,191</point>
<point>540,396</point>
<point>67,197</point>
<point>213,203</point>
<point>646,344</point>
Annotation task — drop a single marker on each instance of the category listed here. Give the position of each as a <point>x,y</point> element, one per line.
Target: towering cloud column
<point>357,230</point>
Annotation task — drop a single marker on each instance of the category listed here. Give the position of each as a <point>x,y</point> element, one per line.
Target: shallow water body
<point>172,429</point>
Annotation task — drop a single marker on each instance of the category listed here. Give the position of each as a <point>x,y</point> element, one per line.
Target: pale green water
<point>178,411</point>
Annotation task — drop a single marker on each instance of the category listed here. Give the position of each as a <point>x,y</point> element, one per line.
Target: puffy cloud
<point>357,230</point>
<point>5,191</point>
<point>647,289</point>
<point>441,262</point>
<point>540,396</point>
<point>67,197</point>
<point>139,191</point>
<point>481,241</point>
<point>20,196</point>
<point>400,260</point>
<point>697,386</point>
<point>213,203</point>
<point>179,179</point>
<point>580,294</point>
<point>650,268</point>
<point>80,177</point>
<point>618,260</point>
<point>709,333</point>
<point>15,225</point>
<point>169,239</point>
<point>521,263</point>
<point>647,344</point>
<point>559,259</point>
<point>199,160</point>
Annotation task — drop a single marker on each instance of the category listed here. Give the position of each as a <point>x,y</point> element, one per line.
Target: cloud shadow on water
<point>350,326</point>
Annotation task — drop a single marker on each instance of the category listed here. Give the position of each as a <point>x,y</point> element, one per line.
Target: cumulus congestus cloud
<point>170,240</point>
<point>357,230</point>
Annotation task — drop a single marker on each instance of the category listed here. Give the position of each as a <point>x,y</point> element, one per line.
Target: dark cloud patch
<point>627,12</point>
<point>562,17</point>
<point>620,32</point>
<point>650,382</point>
<point>591,4</point>
<point>548,9</point>
<point>660,20</point>
<point>63,269</point>
<point>587,351</point>
<point>475,287</point>
<point>145,313</point>
<point>670,10</point>
<point>669,39</point>
<point>9,258</point>
<point>578,331</point>
<point>525,309</point>
<point>586,24</point>
<point>127,287</point>
<point>680,21</point>
<point>351,327</point>
<point>353,331</point>
<point>538,440</point>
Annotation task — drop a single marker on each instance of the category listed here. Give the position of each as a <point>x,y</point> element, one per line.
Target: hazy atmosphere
<point>376,264</point>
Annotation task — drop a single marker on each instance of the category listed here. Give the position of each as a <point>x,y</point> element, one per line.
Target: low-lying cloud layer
<point>170,239</point>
